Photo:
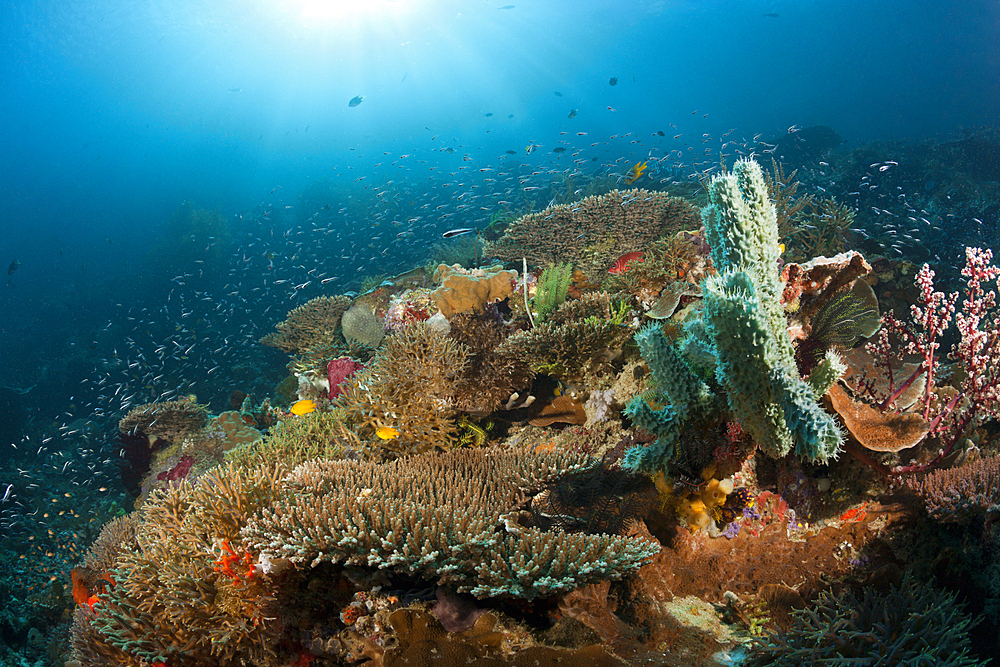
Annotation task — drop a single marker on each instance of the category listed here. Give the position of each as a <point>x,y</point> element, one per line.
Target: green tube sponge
<point>671,372</point>
<point>684,394</point>
<point>665,423</point>
<point>826,373</point>
<point>745,322</point>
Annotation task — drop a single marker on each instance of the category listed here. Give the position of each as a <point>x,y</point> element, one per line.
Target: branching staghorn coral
<point>909,624</point>
<point>300,438</point>
<point>959,494</point>
<point>824,230</point>
<point>116,537</point>
<point>578,340</point>
<point>447,517</point>
<point>409,386</point>
<point>188,594</point>
<point>781,188</point>
<point>592,233</point>
<point>310,332</point>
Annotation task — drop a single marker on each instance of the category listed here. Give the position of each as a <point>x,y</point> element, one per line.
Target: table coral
<point>440,517</point>
<point>590,234</point>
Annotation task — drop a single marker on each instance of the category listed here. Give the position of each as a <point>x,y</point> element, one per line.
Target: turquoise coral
<point>685,396</point>
<point>745,321</point>
<point>744,337</point>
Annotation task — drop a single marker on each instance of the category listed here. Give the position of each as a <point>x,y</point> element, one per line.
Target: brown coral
<point>312,325</point>
<point>464,291</point>
<point>592,233</point>
<point>310,332</point>
<point>300,438</point>
<point>448,517</point>
<point>116,537</point>
<point>577,342</point>
<point>170,420</point>
<point>419,640</point>
<point>188,593</point>
<point>490,378</point>
<point>963,492</point>
<point>411,387</point>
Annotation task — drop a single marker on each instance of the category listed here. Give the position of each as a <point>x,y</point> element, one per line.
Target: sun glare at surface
<point>324,11</point>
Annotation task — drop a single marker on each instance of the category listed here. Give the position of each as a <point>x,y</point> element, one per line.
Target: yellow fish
<point>303,407</point>
<point>635,173</point>
<point>386,433</point>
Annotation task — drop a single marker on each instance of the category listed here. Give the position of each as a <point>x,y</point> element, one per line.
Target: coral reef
<point>463,291</point>
<point>683,395</point>
<point>876,430</point>
<point>169,421</point>
<point>436,516</point>
<point>577,342</point>
<point>910,623</point>
<point>742,341</point>
<point>311,331</point>
<point>411,305</point>
<point>950,412</point>
<point>416,636</point>
<point>590,234</point>
<point>409,386</point>
<point>822,231</point>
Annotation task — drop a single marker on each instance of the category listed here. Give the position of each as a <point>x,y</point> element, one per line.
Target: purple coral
<point>339,370</point>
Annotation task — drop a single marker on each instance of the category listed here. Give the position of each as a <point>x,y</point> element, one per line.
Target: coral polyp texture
<point>592,233</point>
<point>448,518</point>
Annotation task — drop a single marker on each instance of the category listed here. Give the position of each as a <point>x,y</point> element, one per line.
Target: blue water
<point>119,116</point>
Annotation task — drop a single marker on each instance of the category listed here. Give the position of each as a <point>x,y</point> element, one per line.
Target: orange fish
<point>622,263</point>
<point>635,173</point>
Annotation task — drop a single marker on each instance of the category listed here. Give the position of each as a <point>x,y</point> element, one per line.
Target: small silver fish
<point>461,231</point>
